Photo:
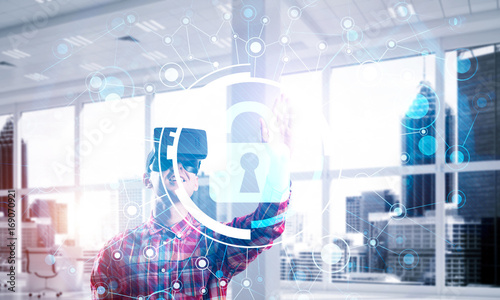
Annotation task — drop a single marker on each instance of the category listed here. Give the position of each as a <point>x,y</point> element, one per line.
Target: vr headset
<point>192,148</point>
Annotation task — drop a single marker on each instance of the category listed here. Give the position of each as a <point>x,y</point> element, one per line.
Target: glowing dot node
<point>132,210</point>
<point>246,283</point>
<point>168,40</point>
<point>101,290</point>
<point>294,12</point>
<point>255,47</point>
<point>347,23</point>
<point>171,74</point>
<point>331,253</point>
<point>50,259</point>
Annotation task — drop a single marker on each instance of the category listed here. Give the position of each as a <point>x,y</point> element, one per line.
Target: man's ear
<point>146,179</point>
<point>196,185</point>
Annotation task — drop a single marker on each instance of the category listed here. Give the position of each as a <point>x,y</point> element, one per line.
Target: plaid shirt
<point>153,261</point>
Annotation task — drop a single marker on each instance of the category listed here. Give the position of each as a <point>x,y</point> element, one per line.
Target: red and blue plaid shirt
<point>153,261</point>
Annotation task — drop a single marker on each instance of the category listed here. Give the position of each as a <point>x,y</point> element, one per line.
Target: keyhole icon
<point>249,162</point>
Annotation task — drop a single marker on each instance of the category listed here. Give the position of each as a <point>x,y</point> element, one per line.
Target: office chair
<point>37,265</point>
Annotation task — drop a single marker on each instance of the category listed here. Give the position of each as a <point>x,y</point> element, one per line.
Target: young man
<point>172,255</point>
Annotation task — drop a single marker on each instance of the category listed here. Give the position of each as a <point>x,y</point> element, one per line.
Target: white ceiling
<point>25,26</point>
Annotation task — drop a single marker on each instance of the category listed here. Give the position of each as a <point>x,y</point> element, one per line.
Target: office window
<point>311,138</point>
<point>391,239</point>
<point>383,114</point>
<point>49,213</point>
<point>112,144</point>
<point>6,158</point>
<point>302,232</point>
<point>102,208</point>
<point>472,214</point>
<point>48,139</point>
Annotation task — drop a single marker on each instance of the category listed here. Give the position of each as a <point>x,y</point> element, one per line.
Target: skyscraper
<point>7,166</point>
<point>358,209</point>
<point>418,191</point>
<point>479,131</point>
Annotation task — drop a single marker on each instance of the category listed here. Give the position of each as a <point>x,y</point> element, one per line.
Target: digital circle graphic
<point>400,239</point>
<point>427,145</point>
<point>185,20</point>
<point>391,44</point>
<point>223,282</point>
<point>149,252</point>
<point>322,46</point>
<point>149,88</point>
<point>102,289</point>
<point>455,22</point>
<point>119,25</point>
<point>284,40</point>
<point>398,211</point>
<point>131,210</point>
<point>95,82</point>
<point>227,16</point>
<point>423,131</point>
<point>168,40</point>
<point>347,23</point>
<point>110,84</point>
<point>408,259</point>
<point>331,253</point>
<point>265,20</point>
<point>201,263</point>
<point>71,270</point>
<point>352,36</point>
<point>294,13</point>
<point>171,75</point>
<point>246,283</point>
<point>176,285</point>
<point>424,107</point>
<point>50,259</point>
<point>482,102</point>
<point>334,252</point>
<point>466,64</point>
<point>131,18</point>
<point>404,157</point>
<point>62,49</point>
<point>457,157</point>
<point>117,255</point>
<point>456,197</point>
<point>402,11</point>
<point>248,13</point>
<point>255,47</point>
<point>373,242</point>
<point>419,108</point>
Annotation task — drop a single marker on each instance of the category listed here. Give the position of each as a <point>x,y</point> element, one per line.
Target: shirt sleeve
<point>102,274</point>
<point>235,259</point>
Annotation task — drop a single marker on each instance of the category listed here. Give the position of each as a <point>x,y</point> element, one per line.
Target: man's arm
<point>267,222</point>
<point>102,272</point>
